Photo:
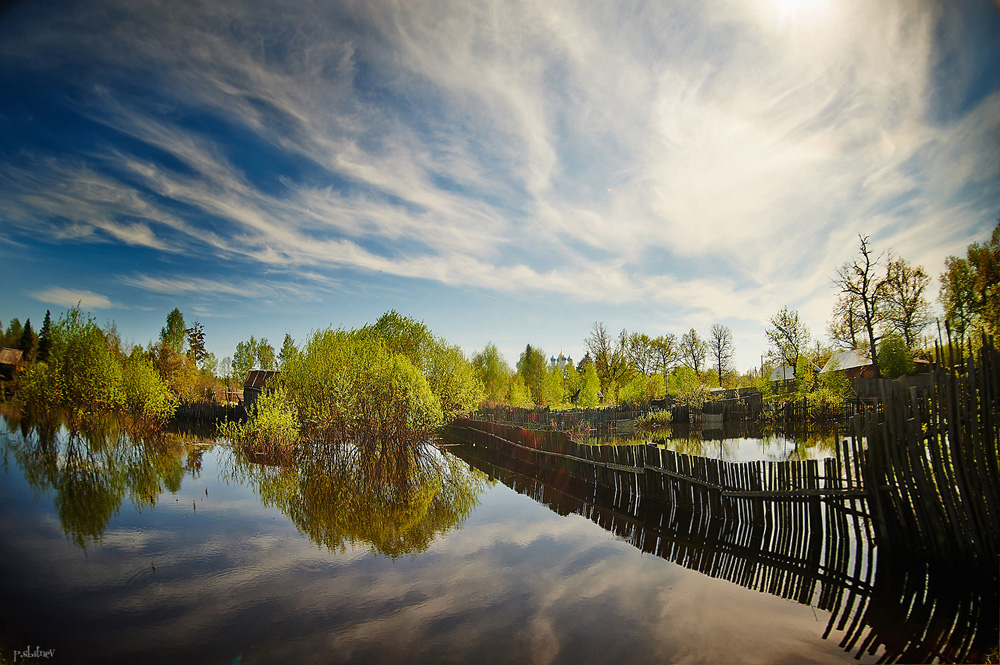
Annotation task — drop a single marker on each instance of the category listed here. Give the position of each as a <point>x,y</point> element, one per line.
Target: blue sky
<point>504,171</point>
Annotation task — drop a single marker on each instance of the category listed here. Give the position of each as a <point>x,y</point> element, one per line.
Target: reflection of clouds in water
<point>517,583</point>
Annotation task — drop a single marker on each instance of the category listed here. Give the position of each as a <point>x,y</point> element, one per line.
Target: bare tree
<point>788,337</point>
<point>609,357</point>
<point>846,327</point>
<point>720,344</point>
<point>859,279</point>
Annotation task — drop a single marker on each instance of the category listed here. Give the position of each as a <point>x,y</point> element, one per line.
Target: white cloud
<point>58,295</point>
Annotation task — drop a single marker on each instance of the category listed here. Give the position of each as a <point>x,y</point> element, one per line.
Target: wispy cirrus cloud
<point>64,297</point>
<point>720,156</point>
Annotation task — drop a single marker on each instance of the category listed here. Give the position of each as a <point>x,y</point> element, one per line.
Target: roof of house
<point>11,356</point>
<point>257,377</point>
<point>782,372</point>
<point>844,360</point>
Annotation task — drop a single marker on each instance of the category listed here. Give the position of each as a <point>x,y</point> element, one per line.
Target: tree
<point>13,335</point>
<point>196,342</point>
<point>493,371</point>
<point>693,350</point>
<point>589,395</point>
<point>609,356</point>
<point>28,343</point>
<point>288,351</point>
<point>531,369</point>
<point>173,334</point>
<point>666,349</point>
<point>970,288</point>
<point>641,353</point>
<point>788,337</point>
<point>894,356</point>
<point>720,343</point>
<point>45,338</point>
<point>858,278</point>
<point>846,326</point>
<point>908,311</point>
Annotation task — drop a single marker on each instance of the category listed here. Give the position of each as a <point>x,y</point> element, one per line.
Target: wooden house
<point>11,362</point>
<point>853,364</point>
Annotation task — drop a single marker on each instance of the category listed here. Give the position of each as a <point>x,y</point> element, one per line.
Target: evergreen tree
<point>13,336</point>
<point>288,351</point>
<point>196,342</point>
<point>45,338</point>
<point>28,342</point>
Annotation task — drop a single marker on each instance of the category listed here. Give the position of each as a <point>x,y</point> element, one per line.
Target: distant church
<point>562,361</point>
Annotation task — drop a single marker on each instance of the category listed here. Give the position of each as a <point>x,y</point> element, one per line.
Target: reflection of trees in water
<point>395,499</point>
<point>92,471</point>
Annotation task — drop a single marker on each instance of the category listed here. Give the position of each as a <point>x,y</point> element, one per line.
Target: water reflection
<point>396,503</point>
<point>737,442</point>
<point>92,471</point>
<point>894,609</point>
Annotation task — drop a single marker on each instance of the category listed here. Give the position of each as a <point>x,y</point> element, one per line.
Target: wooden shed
<point>254,384</point>
<point>11,362</point>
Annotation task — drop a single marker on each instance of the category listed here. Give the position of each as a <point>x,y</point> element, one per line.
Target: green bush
<point>654,420</point>
<point>146,399</point>
<point>271,423</point>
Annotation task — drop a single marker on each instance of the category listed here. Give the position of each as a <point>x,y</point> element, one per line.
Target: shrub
<point>654,420</point>
<point>271,423</point>
<point>145,397</point>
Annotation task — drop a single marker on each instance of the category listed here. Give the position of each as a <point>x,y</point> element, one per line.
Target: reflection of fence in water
<point>798,530</point>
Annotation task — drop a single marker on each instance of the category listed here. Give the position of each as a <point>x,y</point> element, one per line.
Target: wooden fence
<point>800,530</point>
<point>933,464</point>
<point>208,412</point>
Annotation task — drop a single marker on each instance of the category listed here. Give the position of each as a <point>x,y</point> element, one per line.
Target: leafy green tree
<point>907,310</point>
<point>610,357</point>
<point>288,351</point>
<point>174,333</point>
<point>686,386</point>
<point>894,356</point>
<point>519,395</point>
<point>13,335</point>
<point>589,396</point>
<point>788,337</point>
<point>643,388</point>
<point>452,379</point>
<point>531,369</point>
<point>693,350</point>
<point>970,288</point>
<point>493,371</point>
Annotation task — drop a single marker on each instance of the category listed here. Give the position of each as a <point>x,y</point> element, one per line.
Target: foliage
<point>686,387</point>
<point>590,387</point>
<point>351,387</point>
<point>250,354</point>
<point>272,423</point>
<point>908,311</point>
<point>788,337</point>
<point>519,395</point>
<point>45,338</point>
<point>28,343</point>
<point>288,351</point>
<point>452,379</point>
<point>970,288</point>
<point>610,357</point>
<point>145,398</point>
<point>196,342</point>
<point>693,350</point>
<point>643,388</point>
<point>531,369</point>
<point>87,375</point>
<point>173,334</point>
<point>894,357</point>
<point>654,420</point>
<point>493,372</point>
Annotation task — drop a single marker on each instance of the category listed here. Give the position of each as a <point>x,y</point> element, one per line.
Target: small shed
<point>853,364</point>
<point>254,384</point>
<point>11,362</point>
<point>783,376</point>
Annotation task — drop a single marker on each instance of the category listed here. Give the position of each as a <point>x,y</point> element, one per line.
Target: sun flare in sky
<point>504,171</point>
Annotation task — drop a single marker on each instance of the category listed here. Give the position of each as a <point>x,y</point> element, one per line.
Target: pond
<point>182,550</point>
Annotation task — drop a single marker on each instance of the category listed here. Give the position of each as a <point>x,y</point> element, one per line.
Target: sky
<point>506,172</point>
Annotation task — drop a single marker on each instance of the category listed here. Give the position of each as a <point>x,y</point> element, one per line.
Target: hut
<point>254,385</point>
<point>11,362</point>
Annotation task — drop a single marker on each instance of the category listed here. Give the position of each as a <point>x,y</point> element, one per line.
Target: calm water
<point>180,551</point>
